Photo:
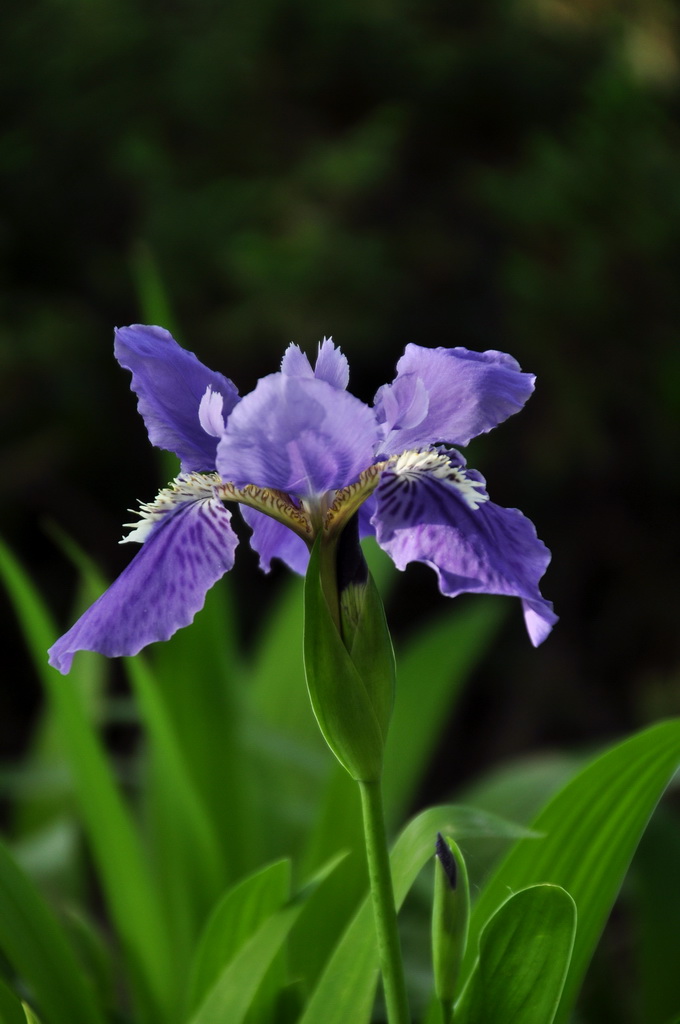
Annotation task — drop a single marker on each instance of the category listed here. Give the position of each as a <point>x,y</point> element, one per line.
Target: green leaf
<point>524,954</point>
<point>240,912</point>
<point>281,727</point>
<point>188,863</point>
<point>237,986</point>
<point>201,688</point>
<point>347,986</point>
<point>591,828</point>
<point>11,1010</point>
<point>130,892</point>
<point>37,948</point>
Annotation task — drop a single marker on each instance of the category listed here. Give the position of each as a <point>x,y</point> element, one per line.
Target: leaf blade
<point>591,828</point>
<point>524,955</point>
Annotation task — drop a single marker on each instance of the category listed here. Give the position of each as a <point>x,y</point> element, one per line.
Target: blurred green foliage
<point>497,175</point>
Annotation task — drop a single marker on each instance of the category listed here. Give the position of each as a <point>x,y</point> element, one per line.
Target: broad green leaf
<point>591,828</point>
<point>524,954</point>
<point>347,986</point>
<point>518,790</point>
<point>11,1010</point>
<point>431,670</point>
<point>128,884</point>
<point>240,912</point>
<point>237,986</point>
<point>37,948</point>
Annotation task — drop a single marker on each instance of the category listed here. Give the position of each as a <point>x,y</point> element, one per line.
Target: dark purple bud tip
<point>446,859</point>
<point>351,564</point>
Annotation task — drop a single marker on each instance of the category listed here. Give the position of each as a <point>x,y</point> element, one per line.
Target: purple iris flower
<point>301,455</point>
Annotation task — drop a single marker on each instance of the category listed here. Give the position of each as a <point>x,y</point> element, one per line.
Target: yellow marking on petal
<point>348,499</point>
<point>275,504</point>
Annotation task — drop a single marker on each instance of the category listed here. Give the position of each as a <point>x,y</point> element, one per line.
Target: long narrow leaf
<point>131,896</point>
<point>201,686</point>
<point>241,911</point>
<point>235,990</point>
<point>11,1010</point>
<point>188,864</point>
<point>39,951</point>
<point>591,828</point>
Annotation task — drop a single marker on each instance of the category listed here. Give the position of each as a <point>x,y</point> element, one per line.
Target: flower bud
<point>349,661</point>
<point>450,918</point>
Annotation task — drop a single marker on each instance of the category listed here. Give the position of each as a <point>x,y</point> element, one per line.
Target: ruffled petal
<point>170,382</point>
<point>448,395</point>
<point>295,362</point>
<point>161,589</point>
<point>331,364</point>
<point>271,539</point>
<point>298,435</point>
<point>487,549</point>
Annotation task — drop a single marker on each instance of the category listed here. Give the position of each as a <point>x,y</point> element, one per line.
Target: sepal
<point>349,661</point>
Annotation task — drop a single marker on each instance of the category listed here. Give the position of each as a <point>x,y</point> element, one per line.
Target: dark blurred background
<point>490,174</point>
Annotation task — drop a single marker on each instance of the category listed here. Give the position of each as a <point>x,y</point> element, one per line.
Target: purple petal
<point>161,589</point>
<point>487,549</point>
<point>295,362</point>
<point>271,539</point>
<point>448,395</point>
<point>170,382</point>
<point>298,435</point>
<point>331,365</point>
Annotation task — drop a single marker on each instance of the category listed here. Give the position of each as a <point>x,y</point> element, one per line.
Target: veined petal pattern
<point>483,549</point>
<point>161,589</point>
<point>170,382</point>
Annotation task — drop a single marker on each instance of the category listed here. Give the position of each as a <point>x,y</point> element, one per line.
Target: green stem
<point>384,910</point>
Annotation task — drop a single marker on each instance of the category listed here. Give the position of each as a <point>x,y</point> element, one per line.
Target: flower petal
<point>271,539</point>
<point>298,435</point>
<point>331,364</point>
<point>487,549</point>
<point>448,395</point>
<point>170,382</point>
<point>295,362</point>
<point>161,589</point>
